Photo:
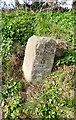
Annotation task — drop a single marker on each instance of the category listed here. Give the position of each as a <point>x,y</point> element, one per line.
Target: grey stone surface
<point>61,48</point>
<point>39,58</point>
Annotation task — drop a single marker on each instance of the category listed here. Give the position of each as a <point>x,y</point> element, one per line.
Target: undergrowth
<point>17,27</point>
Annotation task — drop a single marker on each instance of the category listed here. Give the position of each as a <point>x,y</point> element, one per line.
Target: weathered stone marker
<point>39,58</point>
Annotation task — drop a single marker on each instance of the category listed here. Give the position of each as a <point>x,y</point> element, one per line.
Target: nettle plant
<point>48,104</point>
<point>52,102</point>
<point>11,99</point>
<point>17,28</point>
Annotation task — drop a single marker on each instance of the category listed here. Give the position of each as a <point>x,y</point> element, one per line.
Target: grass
<point>26,100</point>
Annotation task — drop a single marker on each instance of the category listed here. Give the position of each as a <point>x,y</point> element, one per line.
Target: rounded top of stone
<point>41,38</point>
